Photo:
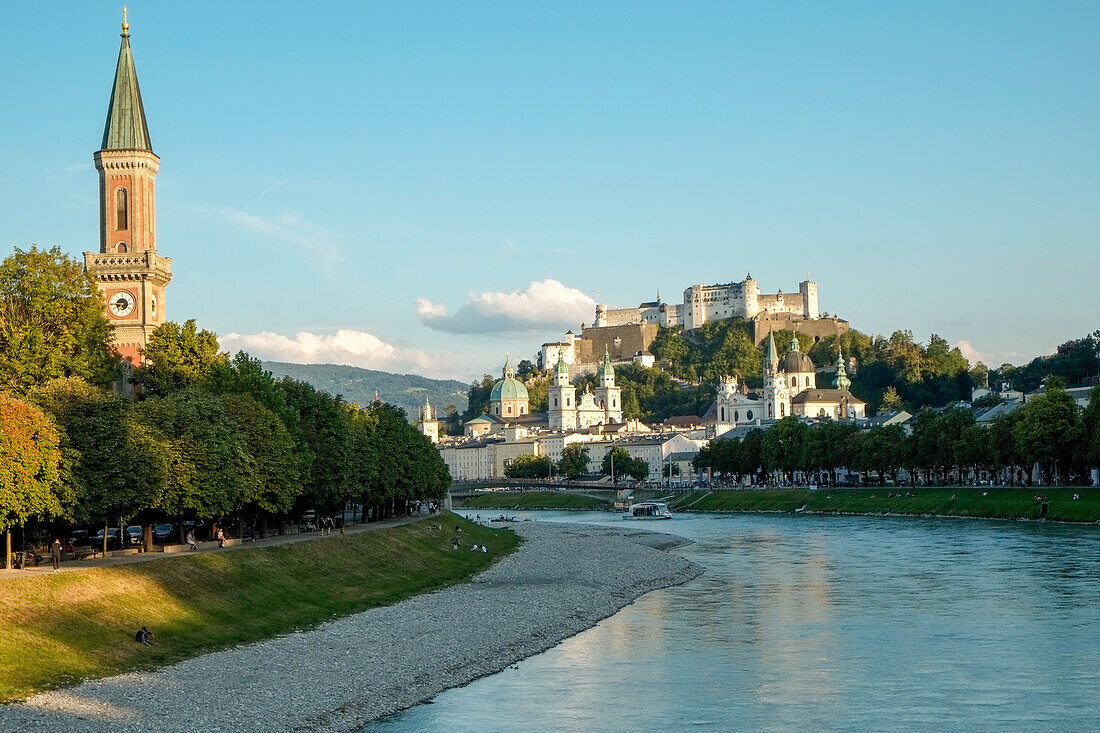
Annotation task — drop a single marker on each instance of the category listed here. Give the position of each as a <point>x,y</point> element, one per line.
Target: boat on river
<point>648,510</point>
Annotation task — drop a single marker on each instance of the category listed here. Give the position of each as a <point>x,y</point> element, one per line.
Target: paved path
<point>70,566</point>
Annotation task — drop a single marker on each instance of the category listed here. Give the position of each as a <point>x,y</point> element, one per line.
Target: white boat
<point>648,510</point>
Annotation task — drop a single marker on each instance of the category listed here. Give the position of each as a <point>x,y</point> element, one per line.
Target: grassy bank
<point>967,502</point>
<point>535,500</point>
<point>60,628</point>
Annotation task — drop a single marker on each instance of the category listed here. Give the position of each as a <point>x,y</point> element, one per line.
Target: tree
<point>30,458</point>
<point>1090,428</point>
<point>52,323</point>
<point>574,461</point>
<point>327,431</point>
<point>177,357</point>
<point>615,463</point>
<point>528,466</point>
<point>211,469</point>
<point>1049,430</point>
<point>882,450</point>
<point>891,400</point>
<point>114,464</point>
<point>276,463</point>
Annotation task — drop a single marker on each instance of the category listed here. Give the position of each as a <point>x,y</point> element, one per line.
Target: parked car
<point>163,533</point>
<point>78,538</point>
<point>113,539</point>
<point>133,534</point>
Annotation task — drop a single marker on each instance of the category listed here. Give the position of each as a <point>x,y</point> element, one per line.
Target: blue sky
<point>325,167</point>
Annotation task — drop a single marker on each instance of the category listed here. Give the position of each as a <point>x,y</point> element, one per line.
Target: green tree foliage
<point>618,463</point>
<point>1049,430</point>
<point>177,357</point>
<point>115,465</point>
<point>277,466</point>
<point>326,431</point>
<point>574,461</point>
<point>1073,362</point>
<point>1090,429</point>
<point>51,322</point>
<point>30,460</point>
<point>477,400</point>
<point>528,467</point>
<point>212,472</point>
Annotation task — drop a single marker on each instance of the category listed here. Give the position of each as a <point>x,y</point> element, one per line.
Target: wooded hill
<point>357,385</point>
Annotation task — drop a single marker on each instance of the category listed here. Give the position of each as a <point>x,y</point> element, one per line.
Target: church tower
<point>428,425</point>
<point>777,397</point>
<point>562,396</point>
<point>608,396</point>
<point>129,272</point>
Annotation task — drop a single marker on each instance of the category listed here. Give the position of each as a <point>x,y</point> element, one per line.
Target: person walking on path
<point>55,554</point>
<point>194,544</point>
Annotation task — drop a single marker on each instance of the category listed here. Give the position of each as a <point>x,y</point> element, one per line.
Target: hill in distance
<point>357,385</point>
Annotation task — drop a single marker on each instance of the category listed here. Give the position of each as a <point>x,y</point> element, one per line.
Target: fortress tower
<point>129,272</point>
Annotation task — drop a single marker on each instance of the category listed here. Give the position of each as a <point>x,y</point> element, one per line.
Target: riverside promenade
<point>351,671</point>
<point>46,568</point>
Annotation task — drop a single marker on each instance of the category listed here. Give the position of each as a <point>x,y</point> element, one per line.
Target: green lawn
<point>535,500</point>
<point>968,502</point>
<point>60,628</point>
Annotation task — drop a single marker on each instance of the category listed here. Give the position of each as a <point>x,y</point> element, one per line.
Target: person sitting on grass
<point>145,636</point>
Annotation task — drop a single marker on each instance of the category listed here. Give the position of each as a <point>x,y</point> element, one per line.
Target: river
<point>822,623</point>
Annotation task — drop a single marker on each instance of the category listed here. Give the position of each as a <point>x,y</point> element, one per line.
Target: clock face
<point>121,304</point>
<point>153,306</point>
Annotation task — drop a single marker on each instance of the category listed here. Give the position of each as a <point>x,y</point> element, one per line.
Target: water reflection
<point>823,623</point>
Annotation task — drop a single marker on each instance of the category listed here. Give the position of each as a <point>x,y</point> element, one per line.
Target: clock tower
<point>129,272</point>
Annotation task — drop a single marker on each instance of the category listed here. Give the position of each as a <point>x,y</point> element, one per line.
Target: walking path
<point>68,566</point>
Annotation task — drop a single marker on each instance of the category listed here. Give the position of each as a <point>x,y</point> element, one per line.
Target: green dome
<point>508,389</point>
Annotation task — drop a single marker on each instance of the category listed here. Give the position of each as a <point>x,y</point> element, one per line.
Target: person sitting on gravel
<point>145,636</point>
<point>484,548</point>
<point>474,548</point>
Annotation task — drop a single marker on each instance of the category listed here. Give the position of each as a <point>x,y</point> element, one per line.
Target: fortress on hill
<point>626,333</point>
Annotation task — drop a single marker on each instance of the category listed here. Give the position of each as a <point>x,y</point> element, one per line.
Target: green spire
<point>606,369</point>
<point>794,343</point>
<point>562,367</point>
<point>841,381</point>
<point>771,357</point>
<point>126,128</point>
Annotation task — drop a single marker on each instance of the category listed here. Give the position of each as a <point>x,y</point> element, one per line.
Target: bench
<point>82,551</point>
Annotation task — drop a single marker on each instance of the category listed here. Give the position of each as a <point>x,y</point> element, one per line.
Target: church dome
<point>508,388</point>
<point>798,361</point>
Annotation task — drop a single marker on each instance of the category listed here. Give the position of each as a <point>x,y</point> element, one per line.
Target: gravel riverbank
<point>346,673</point>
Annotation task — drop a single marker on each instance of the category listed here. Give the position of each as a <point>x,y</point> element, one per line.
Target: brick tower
<point>129,272</point>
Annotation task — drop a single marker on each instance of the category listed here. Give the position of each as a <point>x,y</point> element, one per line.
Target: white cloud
<point>968,351</point>
<point>346,346</point>
<point>543,305</point>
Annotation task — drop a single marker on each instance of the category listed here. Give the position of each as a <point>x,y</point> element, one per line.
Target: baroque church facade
<point>566,411</point>
<point>129,272</point>
<point>790,388</point>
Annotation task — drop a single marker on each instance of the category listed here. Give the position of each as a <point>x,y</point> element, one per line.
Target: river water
<point>822,623</point>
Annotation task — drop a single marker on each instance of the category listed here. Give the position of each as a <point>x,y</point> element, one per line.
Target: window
<point>122,210</point>
<point>121,248</point>
<point>748,415</point>
<point>722,414</point>
<point>736,415</point>
<point>555,402</point>
<point>508,409</point>
<point>782,410</point>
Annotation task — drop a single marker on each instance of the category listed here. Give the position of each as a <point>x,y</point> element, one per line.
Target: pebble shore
<point>351,671</point>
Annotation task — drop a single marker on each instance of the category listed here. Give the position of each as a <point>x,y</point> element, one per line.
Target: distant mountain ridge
<point>357,385</point>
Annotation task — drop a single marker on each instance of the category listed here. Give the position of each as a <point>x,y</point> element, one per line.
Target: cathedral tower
<point>608,396</point>
<point>777,397</point>
<point>129,272</point>
<point>562,396</point>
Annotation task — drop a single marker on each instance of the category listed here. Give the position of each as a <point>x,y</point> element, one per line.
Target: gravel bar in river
<point>348,672</point>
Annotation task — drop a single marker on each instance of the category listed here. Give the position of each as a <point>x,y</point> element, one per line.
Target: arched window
<point>748,415</point>
<point>555,402</point>
<point>782,410</point>
<point>612,401</point>
<point>736,415</point>
<point>121,248</point>
<point>722,414</point>
<point>122,210</point>
<point>769,410</point>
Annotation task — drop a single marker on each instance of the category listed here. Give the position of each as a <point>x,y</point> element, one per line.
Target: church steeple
<point>126,128</point>
<point>129,272</point>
